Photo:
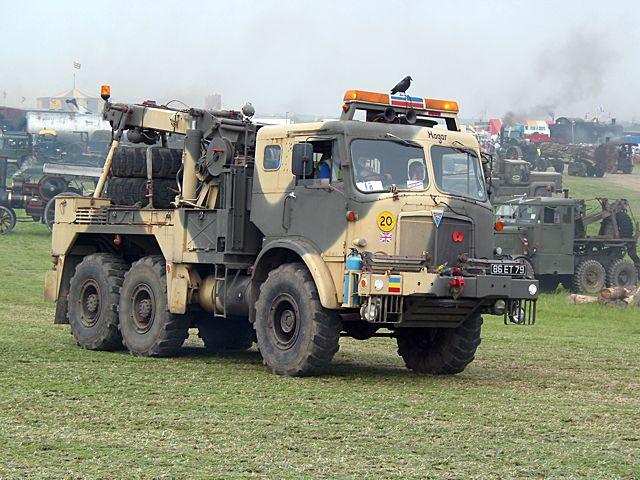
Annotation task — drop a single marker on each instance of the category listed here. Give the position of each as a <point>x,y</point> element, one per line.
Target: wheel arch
<point>282,251</point>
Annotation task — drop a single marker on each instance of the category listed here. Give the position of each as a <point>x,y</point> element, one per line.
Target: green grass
<point>558,399</point>
<point>603,187</point>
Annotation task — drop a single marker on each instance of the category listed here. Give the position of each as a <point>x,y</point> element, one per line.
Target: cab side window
<point>327,168</point>
<point>272,157</point>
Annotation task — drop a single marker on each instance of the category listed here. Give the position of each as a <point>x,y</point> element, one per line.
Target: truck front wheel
<point>296,335</point>
<point>148,328</point>
<point>589,277</point>
<point>440,351</point>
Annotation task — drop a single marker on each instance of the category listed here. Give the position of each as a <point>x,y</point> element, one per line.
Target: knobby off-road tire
<point>589,277</point>
<point>440,351</point>
<point>94,294</point>
<point>148,328</point>
<point>129,191</point>
<point>132,162</point>
<point>226,334</point>
<point>296,335</point>
<point>621,273</point>
<point>625,225</point>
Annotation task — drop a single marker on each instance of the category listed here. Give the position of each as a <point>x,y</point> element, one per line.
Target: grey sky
<point>568,57</point>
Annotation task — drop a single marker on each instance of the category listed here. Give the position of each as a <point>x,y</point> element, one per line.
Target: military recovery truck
<point>550,236</point>
<point>288,235</point>
<point>512,177</point>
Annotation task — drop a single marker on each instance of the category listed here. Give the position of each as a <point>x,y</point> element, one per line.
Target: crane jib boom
<point>195,124</point>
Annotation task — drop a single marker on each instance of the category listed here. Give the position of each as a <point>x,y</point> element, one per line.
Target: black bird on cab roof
<point>402,86</point>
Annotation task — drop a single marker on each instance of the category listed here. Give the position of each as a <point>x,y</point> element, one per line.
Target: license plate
<point>508,269</point>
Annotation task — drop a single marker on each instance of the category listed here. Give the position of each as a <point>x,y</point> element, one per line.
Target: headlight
<point>499,307</point>
<point>369,312</point>
<point>533,289</point>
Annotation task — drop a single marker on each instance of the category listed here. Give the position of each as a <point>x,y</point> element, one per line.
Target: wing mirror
<point>302,160</point>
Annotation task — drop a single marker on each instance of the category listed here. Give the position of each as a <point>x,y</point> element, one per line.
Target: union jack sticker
<point>386,237</point>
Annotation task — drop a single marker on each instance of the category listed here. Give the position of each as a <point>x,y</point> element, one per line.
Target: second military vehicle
<point>513,177</point>
<point>551,236</point>
<point>289,235</point>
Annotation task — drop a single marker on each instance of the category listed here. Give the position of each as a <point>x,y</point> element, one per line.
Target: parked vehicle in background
<point>16,147</point>
<point>551,236</point>
<point>511,177</point>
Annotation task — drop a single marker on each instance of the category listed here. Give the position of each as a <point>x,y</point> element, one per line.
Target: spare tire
<point>132,191</point>
<point>625,224</point>
<point>132,162</point>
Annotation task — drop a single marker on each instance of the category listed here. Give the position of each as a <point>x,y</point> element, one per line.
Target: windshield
<point>518,213</point>
<point>458,172</point>
<point>378,164</point>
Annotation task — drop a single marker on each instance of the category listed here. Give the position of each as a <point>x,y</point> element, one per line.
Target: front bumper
<point>421,299</point>
<point>434,285</point>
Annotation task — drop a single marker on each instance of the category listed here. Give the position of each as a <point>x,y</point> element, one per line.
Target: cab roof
<point>356,128</point>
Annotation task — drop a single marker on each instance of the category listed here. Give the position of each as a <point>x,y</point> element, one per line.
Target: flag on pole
<point>76,65</point>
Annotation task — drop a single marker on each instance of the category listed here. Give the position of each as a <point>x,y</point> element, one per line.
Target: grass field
<point>559,399</point>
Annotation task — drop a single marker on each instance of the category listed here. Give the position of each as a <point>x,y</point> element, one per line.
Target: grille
<point>447,251</point>
<point>419,234</point>
<point>91,216</point>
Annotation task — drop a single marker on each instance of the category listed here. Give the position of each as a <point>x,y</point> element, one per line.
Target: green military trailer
<point>552,237</point>
<point>290,236</point>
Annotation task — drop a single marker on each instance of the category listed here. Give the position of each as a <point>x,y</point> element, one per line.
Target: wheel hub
<point>91,303</point>
<point>287,321</point>
<point>284,319</point>
<point>143,308</point>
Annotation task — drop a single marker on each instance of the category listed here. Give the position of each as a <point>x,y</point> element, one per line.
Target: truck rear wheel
<point>94,294</point>
<point>621,273</point>
<point>296,334</point>
<point>231,333</point>
<point>148,328</point>
<point>589,277</point>
<point>440,351</point>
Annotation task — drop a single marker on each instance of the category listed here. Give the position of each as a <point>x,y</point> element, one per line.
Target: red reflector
<point>498,226</point>
<point>457,237</point>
